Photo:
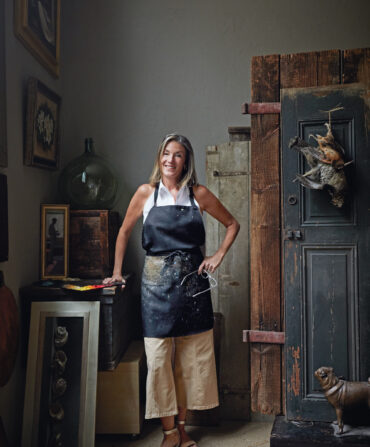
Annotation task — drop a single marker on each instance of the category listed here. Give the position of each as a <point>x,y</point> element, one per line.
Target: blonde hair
<point>189,176</point>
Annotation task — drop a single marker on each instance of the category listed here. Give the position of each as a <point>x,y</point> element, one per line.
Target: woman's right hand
<point>134,211</point>
<point>114,278</point>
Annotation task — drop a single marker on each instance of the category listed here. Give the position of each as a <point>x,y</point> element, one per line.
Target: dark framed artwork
<point>61,378</point>
<point>3,148</point>
<point>37,25</point>
<point>4,238</point>
<point>54,241</point>
<point>42,126</point>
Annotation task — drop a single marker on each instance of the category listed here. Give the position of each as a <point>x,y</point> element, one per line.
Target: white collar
<point>163,190</point>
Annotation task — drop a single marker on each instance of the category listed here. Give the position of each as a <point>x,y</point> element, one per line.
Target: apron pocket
<point>153,271</point>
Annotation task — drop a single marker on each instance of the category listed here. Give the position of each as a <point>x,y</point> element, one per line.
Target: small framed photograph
<point>37,26</point>
<point>54,241</point>
<point>42,126</point>
<point>61,377</point>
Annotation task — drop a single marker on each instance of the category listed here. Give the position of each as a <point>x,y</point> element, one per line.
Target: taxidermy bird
<point>326,163</point>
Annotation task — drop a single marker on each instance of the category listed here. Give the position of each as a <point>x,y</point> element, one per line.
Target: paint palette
<point>85,287</point>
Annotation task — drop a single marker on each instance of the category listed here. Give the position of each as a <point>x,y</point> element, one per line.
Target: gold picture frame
<point>61,378</point>
<point>42,126</point>
<point>37,26</point>
<point>54,241</point>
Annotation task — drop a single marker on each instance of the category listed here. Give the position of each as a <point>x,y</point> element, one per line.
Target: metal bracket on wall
<point>292,235</point>
<point>261,108</point>
<point>229,173</point>
<point>271,337</point>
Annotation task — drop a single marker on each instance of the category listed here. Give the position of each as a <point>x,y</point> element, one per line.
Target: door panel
<point>326,274</point>
<point>329,297</point>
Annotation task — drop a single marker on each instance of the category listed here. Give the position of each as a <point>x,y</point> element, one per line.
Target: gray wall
<point>27,188</point>
<point>134,70</point>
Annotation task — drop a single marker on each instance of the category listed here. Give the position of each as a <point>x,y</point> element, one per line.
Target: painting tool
<point>85,288</point>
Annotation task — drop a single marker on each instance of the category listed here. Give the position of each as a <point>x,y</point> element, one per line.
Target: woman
<point>176,302</point>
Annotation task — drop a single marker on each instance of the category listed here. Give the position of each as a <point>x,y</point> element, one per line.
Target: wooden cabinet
<point>93,235</point>
<point>119,315</point>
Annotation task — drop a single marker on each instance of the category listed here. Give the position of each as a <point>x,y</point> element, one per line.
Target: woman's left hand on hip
<point>210,263</point>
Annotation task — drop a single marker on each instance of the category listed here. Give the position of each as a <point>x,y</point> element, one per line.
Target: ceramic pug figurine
<point>343,395</point>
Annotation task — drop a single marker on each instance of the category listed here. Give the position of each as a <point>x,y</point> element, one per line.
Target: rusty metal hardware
<point>291,234</point>
<point>271,337</point>
<point>298,234</point>
<point>292,199</point>
<point>261,108</point>
<point>229,173</point>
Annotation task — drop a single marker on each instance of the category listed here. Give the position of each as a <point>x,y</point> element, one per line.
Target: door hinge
<point>291,235</point>
<point>271,337</point>
<point>261,108</point>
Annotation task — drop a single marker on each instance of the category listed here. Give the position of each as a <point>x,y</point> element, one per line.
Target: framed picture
<point>61,378</point>
<point>54,241</point>
<point>3,149</point>
<point>42,126</point>
<point>37,25</point>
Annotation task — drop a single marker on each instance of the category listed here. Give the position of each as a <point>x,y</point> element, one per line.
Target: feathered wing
<point>313,154</point>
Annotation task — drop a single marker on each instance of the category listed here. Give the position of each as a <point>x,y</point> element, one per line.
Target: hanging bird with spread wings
<point>326,162</point>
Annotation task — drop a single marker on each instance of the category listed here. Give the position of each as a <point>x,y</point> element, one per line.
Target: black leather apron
<point>172,236</point>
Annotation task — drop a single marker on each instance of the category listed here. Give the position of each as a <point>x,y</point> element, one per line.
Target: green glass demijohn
<point>88,182</point>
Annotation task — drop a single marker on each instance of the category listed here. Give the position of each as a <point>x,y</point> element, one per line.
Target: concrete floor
<point>228,434</point>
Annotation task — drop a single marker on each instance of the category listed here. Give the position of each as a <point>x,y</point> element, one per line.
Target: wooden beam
<point>265,236</point>
<point>356,66</point>
<point>310,69</point>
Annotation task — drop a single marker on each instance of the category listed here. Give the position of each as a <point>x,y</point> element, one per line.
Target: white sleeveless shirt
<point>165,198</point>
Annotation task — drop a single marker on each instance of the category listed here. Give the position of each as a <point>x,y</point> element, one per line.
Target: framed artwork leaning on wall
<point>37,26</point>
<point>42,126</point>
<point>61,378</point>
<point>54,241</point>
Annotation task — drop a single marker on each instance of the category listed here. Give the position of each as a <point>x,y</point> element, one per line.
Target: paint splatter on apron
<point>172,236</point>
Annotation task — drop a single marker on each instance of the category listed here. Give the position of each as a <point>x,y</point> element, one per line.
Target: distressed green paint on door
<point>326,272</point>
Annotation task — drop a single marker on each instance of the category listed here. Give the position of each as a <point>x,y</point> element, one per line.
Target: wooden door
<point>228,178</point>
<point>270,74</point>
<point>325,250</point>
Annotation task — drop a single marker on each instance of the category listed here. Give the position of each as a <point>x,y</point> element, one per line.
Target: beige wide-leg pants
<point>186,379</point>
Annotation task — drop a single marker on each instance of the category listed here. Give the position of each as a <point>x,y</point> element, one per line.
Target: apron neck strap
<point>156,194</point>
<point>191,196</point>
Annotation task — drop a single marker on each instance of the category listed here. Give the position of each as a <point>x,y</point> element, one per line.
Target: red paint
<point>271,337</point>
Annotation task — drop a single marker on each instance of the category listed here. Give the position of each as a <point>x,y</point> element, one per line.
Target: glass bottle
<point>88,181</point>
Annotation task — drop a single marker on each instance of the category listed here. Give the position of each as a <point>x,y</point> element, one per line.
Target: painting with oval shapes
<point>42,126</point>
